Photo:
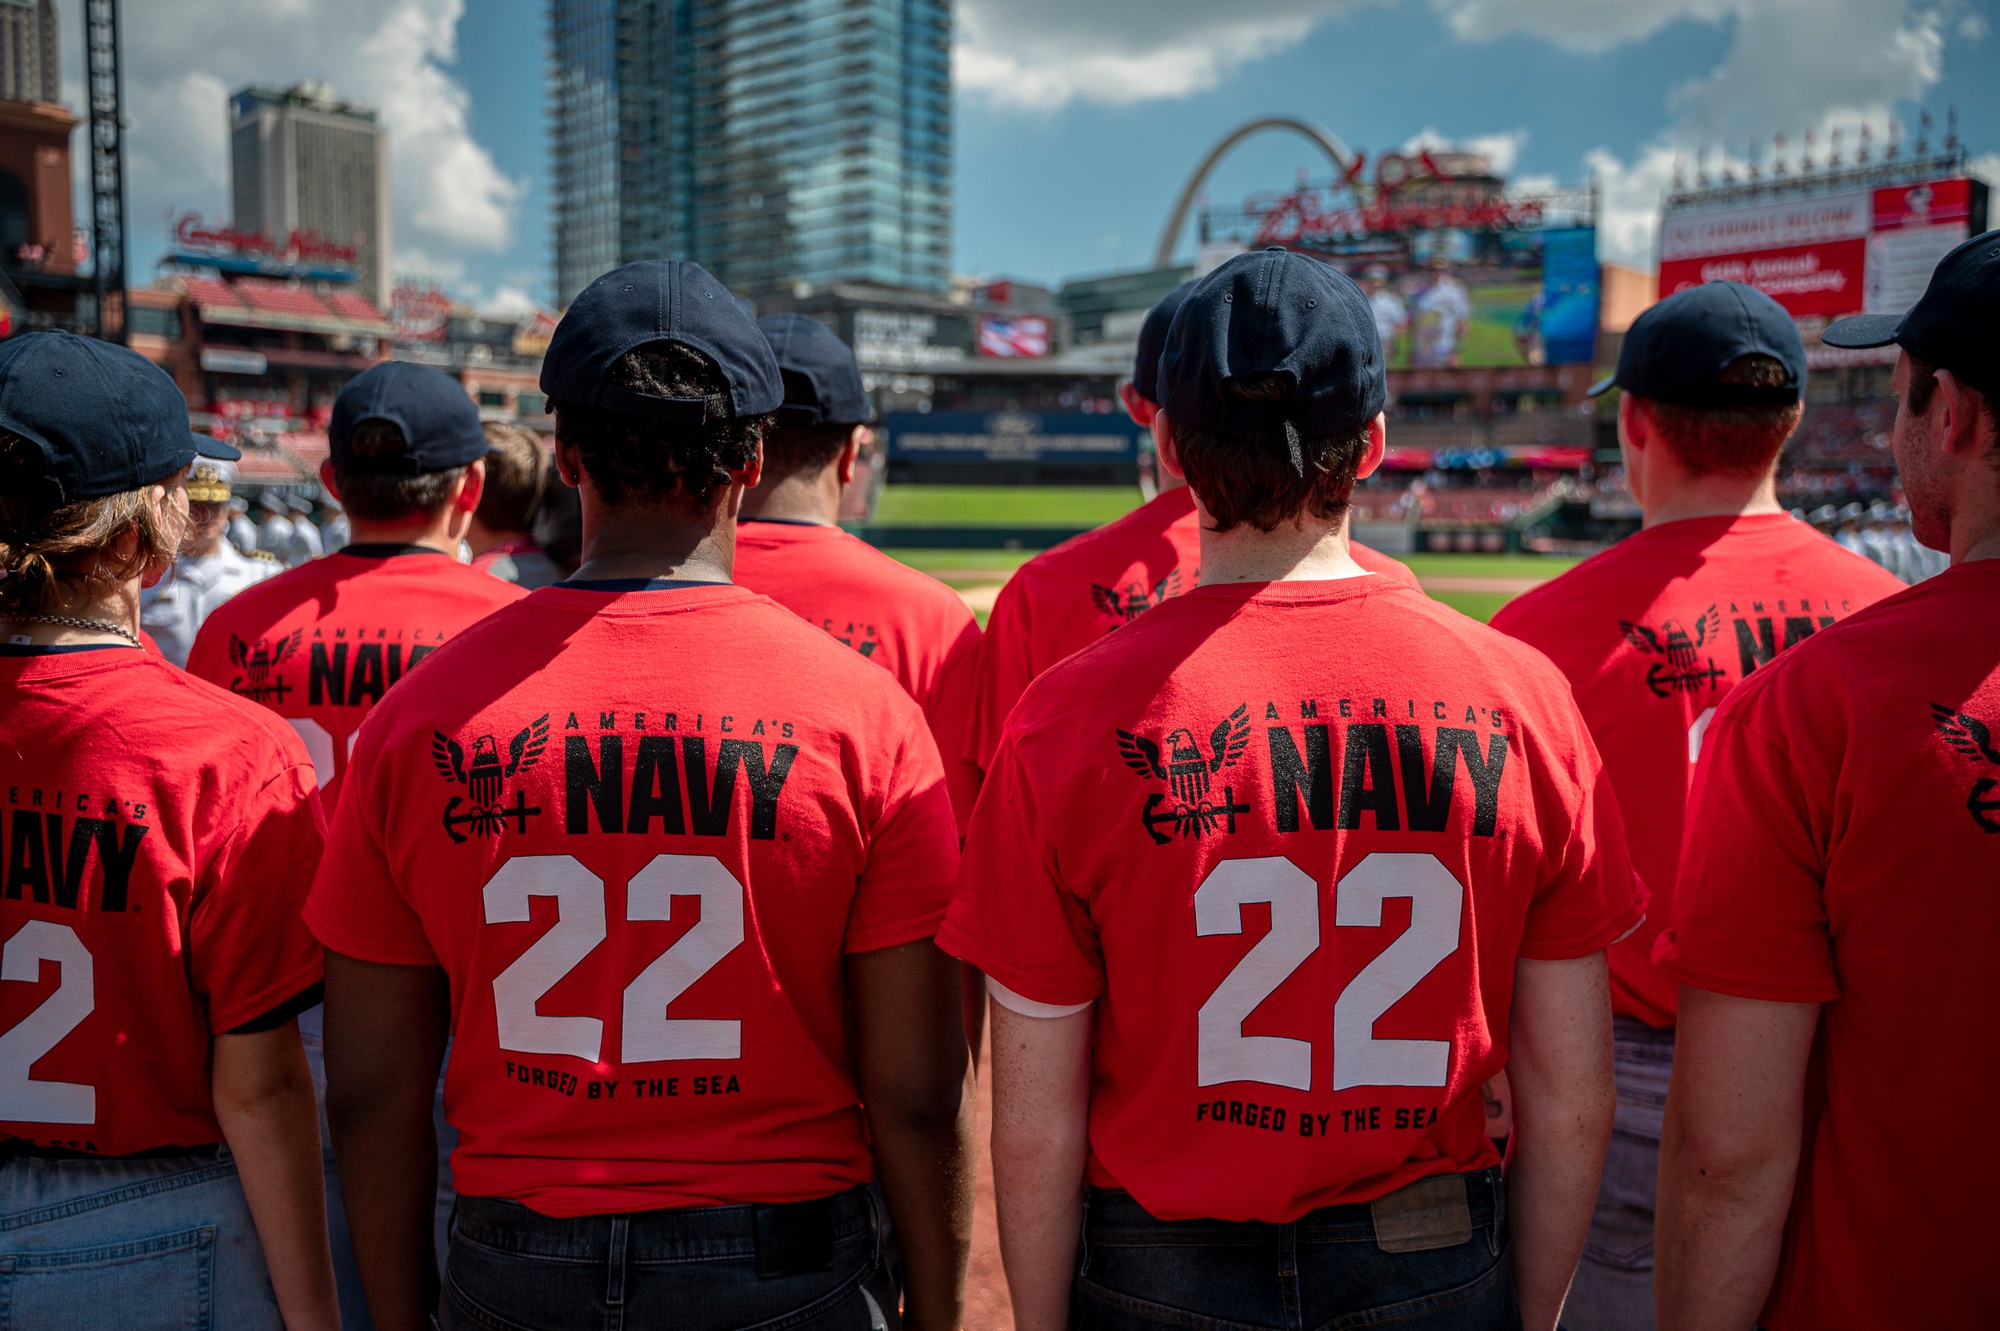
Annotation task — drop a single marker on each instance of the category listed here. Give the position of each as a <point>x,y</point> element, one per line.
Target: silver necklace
<point>102,626</point>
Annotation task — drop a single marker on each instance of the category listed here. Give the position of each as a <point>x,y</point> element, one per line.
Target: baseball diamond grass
<point>974,571</point>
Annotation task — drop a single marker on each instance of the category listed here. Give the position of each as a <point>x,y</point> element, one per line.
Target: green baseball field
<point>1476,585</point>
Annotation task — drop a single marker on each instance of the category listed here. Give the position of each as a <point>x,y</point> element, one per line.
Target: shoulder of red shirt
<point>236,719</point>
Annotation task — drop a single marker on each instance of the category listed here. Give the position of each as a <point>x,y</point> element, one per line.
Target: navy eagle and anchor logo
<point>1970,738</point>
<point>1187,771</point>
<point>1683,671</point>
<point>257,661</point>
<point>485,779</point>
<point>1133,600</point>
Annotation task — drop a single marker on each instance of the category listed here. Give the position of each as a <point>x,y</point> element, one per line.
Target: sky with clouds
<point>1078,120</point>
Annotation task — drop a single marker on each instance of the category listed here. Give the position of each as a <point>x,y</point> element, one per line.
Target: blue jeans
<point>346,1274</point>
<point>809,1266</point>
<point>159,1244</point>
<point>1325,1270</point>
<point>1613,1290</point>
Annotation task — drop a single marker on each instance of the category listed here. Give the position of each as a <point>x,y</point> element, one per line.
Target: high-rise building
<point>300,160</point>
<point>775,142</point>
<point>30,60</point>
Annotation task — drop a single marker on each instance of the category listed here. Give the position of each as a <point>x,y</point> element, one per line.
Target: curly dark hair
<point>660,460</point>
<point>1247,475</point>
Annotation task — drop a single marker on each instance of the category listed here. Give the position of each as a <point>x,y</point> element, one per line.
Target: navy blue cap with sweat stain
<point>1677,350</point>
<point>439,423</point>
<point>104,419</point>
<point>1153,340</point>
<point>809,349</point>
<point>1956,326</point>
<point>1275,312</point>
<point>659,300</point>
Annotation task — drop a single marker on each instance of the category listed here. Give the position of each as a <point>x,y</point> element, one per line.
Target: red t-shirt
<point>1291,838</point>
<point>160,835</point>
<point>319,644</point>
<point>1653,634</point>
<point>1843,848</point>
<point>640,832</point>
<point>911,625</point>
<point>1068,597</point>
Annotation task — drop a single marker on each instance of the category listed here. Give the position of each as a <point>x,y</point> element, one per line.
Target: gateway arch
<point>1336,153</point>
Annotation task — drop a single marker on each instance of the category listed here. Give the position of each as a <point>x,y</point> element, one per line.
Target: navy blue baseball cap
<point>659,300</point>
<point>440,426</point>
<point>1274,312</point>
<point>104,419</point>
<point>1153,340</point>
<point>1677,350</point>
<point>808,348</point>
<point>1956,326</point>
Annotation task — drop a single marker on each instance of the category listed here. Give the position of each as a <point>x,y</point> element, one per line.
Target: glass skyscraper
<point>772,141</point>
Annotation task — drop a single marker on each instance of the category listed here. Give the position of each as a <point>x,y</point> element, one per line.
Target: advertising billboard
<point>1014,336</point>
<point>1848,252</point>
<point>1044,438</point>
<point>1483,299</point>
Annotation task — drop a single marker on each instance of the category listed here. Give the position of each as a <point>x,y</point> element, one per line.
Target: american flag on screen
<point>1014,335</point>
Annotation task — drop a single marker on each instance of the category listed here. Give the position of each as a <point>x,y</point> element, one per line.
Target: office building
<point>302,161</point>
<point>779,143</point>
<point>30,60</point>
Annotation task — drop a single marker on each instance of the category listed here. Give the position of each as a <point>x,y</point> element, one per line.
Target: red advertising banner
<point>1933,203</point>
<point>1821,279</point>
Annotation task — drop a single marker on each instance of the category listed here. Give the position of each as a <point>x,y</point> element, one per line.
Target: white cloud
<point>182,60</point>
<point>1845,63</point>
<point>507,302</point>
<point>1986,166</point>
<point>1501,151</point>
<point>1040,55</point>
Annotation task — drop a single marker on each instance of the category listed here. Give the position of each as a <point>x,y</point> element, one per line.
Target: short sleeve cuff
<point>248,1007</point>
<point>894,935</point>
<point>1583,945</point>
<point>1028,1007</point>
<point>1760,988</point>
<point>1038,990</point>
<point>379,951</point>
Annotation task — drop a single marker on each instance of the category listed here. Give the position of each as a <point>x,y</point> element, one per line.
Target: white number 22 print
<point>1437,901</point>
<point>22,1098</point>
<point>649,1035</point>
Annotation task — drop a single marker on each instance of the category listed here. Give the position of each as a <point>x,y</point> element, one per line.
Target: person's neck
<point>627,541</point>
<point>799,497</point>
<point>1307,550</point>
<point>119,605</point>
<point>437,533</point>
<point>1975,531</point>
<point>1169,483</point>
<point>1682,497</point>
<point>209,548</point>
<point>480,538</point>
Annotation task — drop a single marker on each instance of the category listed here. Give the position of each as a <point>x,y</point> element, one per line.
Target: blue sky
<point>1079,119</point>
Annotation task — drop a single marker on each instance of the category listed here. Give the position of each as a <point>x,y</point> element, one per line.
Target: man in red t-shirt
<point>319,645</point>
<point>1270,882</point>
<point>1835,925</point>
<point>791,548</point>
<point>667,861</point>
<point>1068,597</point>
<point>1653,634</point>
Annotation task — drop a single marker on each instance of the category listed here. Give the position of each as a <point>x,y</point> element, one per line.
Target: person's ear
<point>751,472</point>
<point>568,469</point>
<point>1959,415</point>
<point>326,478</point>
<point>1138,408</point>
<point>1372,452</point>
<point>850,453</point>
<point>1634,428</point>
<point>470,487</point>
<point>1163,440</point>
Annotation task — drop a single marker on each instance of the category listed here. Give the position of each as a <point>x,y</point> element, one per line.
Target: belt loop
<point>614,1289</point>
